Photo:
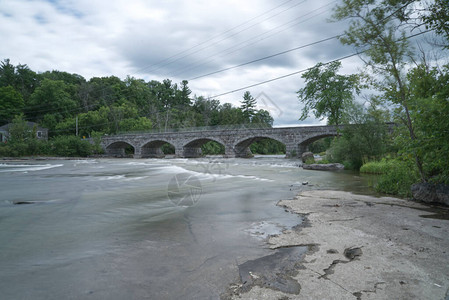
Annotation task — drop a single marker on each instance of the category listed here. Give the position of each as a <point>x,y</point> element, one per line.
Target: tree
<point>230,115</point>
<point>138,93</point>
<point>248,106</point>
<point>19,131</point>
<point>262,117</point>
<point>11,104</point>
<point>26,81</point>
<point>366,137</point>
<point>429,91</point>
<point>52,98</point>
<point>183,95</point>
<point>437,17</point>
<point>327,93</point>
<point>106,91</point>
<point>7,73</point>
<point>207,109</point>
<point>136,124</point>
<point>379,29</point>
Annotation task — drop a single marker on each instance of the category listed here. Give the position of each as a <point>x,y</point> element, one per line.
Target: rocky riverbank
<point>357,247</point>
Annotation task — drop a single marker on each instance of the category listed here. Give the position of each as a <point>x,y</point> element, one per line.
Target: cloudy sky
<point>174,39</point>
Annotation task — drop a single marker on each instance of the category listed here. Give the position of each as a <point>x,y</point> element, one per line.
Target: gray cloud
<point>177,40</point>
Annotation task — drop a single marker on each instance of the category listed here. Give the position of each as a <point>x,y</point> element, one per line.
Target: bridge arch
<point>120,149</point>
<point>304,145</point>
<point>192,148</point>
<point>242,146</point>
<point>153,148</point>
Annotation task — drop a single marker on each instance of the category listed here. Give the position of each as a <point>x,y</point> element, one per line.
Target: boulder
<point>307,157</point>
<point>431,193</point>
<point>323,167</point>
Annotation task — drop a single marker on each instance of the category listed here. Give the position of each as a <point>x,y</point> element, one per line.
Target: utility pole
<point>76,125</point>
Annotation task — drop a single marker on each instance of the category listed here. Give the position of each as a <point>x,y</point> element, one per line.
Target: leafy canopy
<point>327,93</point>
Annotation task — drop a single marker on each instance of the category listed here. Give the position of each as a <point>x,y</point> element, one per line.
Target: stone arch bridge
<point>236,141</point>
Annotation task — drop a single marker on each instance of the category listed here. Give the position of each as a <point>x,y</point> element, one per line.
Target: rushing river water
<point>143,229</point>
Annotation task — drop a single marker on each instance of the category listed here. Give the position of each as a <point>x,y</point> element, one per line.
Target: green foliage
<point>267,146</point>
<point>109,105</point>
<point>309,161</point>
<point>11,103</point>
<point>52,96</point>
<point>320,146</point>
<point>96,143</point>
<point>22,140</point>
<point>139,124</point>
<point>168,149</point>
<point>395,175</point>
<point>212,148</point>
<point>263,118</point>
<point>327,93</point>
<point>380,28</point>
<point>429,89</point>
<point>376,167</point>
<point>398,178</point>
<point>368,137</point>
<point>19,131</point>
<point>437,18</point>
<point>70,146</point>
<point>248,107</point>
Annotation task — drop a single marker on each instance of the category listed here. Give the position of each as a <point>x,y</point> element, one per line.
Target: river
<point>146,228</point>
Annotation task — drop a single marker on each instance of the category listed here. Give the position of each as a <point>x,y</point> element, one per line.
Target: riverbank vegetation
<point>404,47</point>
<point>74,109</point>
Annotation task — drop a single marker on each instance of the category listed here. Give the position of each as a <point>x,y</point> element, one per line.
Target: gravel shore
<point>359,247</point>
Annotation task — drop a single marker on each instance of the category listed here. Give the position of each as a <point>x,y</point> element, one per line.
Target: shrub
<point>309,161</point>
<point>396,175</point>
<point>376,167</point>
<point>71,146</point>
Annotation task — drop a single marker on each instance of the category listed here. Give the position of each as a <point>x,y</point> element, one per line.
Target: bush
<point>376,167</point>
<point>309,161</point>
<point>71,146</point>
<point>5,150</point>
<point>396,176</point>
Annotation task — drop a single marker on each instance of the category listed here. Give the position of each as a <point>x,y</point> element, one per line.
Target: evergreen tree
<point>248,107</point>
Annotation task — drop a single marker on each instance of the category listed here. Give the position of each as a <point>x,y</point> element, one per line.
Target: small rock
<point>23,202</point>
<point>332,251</point>
<point>307,157</point>
<point>352,253</point>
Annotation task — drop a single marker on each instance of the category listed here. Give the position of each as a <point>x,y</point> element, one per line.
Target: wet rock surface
<point>431,193</point>
<point>323,167</point>
<point>274,271</point>
<point>360,247</point>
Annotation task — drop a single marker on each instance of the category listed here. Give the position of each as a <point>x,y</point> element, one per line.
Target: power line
<point>284,76</point>
<point>246,87</point>
<point>307,69</point>
<point>267,57</point>
<point>256,39</point>
<point>170,61</point>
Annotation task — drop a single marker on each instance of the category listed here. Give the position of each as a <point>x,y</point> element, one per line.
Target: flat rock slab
<point>323,167</point>
<point>364,248</point>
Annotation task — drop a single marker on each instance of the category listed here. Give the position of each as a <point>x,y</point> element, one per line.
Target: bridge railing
<point>198,129</point>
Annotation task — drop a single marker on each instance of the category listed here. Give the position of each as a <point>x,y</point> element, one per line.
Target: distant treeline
<point>57,100</point>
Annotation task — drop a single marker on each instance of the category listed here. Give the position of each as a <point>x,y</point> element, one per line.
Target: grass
<point>396,176</point>
<point>377,167</point>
